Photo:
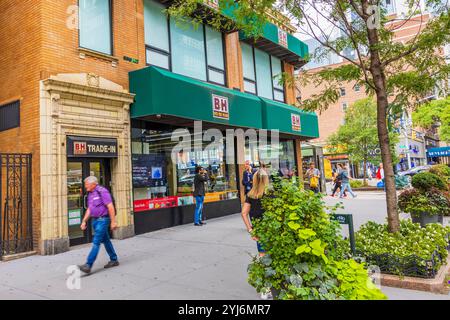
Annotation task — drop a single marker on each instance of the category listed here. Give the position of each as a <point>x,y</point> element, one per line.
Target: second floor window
<point>196,52</point>
<point>95,25</point>
<point>262,73</point>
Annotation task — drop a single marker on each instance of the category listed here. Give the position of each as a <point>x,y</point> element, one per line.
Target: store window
<point>95,25</point>
<point>181,47</point>
<point>158,182</point>
<point>262,73</point>
<point>215,50</point>
<point>10,116</point>
<point>277,77</point>
<point>284,164</point>
<point>248,63</point>
<point>156,34</point>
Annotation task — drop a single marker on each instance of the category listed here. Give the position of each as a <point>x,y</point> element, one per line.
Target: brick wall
<point>20,60</point>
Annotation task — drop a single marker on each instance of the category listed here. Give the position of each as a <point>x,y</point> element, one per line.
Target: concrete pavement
<point>185,262</point>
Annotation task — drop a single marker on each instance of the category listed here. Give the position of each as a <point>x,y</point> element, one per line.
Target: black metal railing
<point>15,204</point>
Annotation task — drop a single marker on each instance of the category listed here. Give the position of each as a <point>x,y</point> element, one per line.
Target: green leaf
<point>306,233</point>
<point>294,226</point>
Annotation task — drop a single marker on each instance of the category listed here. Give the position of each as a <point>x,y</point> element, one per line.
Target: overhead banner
<point>87,147</point>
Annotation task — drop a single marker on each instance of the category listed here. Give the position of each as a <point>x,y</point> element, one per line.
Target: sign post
<point>347,219</point>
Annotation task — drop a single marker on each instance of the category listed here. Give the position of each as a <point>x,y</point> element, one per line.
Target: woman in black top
<point>253,210</point>
<point>253,204</point>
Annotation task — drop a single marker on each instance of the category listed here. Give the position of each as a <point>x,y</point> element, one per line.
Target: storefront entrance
<point>77,171</point>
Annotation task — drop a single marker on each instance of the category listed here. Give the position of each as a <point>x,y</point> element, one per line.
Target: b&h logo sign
<point>221,109</point>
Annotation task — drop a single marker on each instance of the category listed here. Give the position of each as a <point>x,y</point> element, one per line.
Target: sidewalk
<point>180,263</point>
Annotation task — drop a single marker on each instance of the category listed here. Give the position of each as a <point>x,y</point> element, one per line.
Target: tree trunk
<point>379,81</point>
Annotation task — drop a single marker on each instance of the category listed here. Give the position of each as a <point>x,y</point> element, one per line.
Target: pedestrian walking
<point>345,182</point>
<point>103,214</point>
<point>338,180</point>
<point>253,210</point>
<point>200,180</point>
<point>313,174</point>
<point>247,177</point>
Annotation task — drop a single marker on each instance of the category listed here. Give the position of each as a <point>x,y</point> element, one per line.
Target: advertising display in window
<point>262,156</point>
<point>159,182</point>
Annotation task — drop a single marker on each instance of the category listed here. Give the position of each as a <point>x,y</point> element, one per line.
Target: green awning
<point>289,119</point>
<point>161,92</point>
<point>280,44</point>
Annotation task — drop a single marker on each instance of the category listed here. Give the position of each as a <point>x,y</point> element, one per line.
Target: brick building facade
<point>69,91</point>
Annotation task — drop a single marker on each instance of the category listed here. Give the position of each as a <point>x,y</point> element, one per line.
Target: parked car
<point>414,171</point>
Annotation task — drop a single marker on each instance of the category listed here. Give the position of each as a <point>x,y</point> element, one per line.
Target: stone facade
<point>81,105</point>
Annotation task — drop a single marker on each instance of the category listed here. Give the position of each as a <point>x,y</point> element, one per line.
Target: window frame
<point>357,86</point>
<point>111,31</point>
<point>255,82</point>
<point>207,66</point>
<point>16,104</point>
<point>342,92</point>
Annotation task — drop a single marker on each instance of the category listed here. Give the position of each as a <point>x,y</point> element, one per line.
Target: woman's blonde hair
<point>260,183</point>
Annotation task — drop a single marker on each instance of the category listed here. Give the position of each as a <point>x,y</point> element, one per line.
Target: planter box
<point>435,285</point>
<point>424,219</point>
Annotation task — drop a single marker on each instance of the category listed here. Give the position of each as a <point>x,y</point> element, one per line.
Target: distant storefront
<point>439,155</point>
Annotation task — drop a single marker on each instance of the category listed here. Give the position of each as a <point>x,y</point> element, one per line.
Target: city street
<point>179,263</point>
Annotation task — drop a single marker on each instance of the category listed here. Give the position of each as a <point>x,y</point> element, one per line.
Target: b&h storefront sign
<point>87,147</point>
<point>221,107</point>
<point>296,122</point>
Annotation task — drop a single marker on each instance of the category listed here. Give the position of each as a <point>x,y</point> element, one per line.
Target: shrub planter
<point>425,218</point>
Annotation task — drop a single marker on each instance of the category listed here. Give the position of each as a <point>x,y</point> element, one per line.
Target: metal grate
<point>15,204</point>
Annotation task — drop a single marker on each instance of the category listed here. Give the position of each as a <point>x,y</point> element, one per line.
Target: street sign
<point>348,220</point>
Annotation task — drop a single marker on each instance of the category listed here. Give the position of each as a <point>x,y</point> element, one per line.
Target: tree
<point>398,73</point>
<point>358,135</point>
<point>436,111</point>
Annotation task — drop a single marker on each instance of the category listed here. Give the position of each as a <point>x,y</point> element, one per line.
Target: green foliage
<point>432,201</point>
<point>374,239</point>
<point>359,135</point>
<point>442,171</point>
<point>306,258</point>
<point>436,111</point>
<point>427,180</point>
<point>358,184</point>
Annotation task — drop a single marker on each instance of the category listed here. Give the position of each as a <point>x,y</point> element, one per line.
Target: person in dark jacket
<point>247,177</point>
<point>201,177</point>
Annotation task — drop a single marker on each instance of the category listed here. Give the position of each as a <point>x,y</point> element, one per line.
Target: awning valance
<point>289,119</point>
<point>439,152</point>
<point>280,44</point>
<point>161,92</point>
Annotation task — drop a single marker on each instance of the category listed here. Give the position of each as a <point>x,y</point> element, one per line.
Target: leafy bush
<point>304,258</point>
<point>412,240</point>
<point>428,180</point>
<point>358,184</point>
<point>433,202</point>
<point>442,171</point>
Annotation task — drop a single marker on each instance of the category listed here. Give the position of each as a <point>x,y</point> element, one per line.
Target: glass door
<point>77,171</point>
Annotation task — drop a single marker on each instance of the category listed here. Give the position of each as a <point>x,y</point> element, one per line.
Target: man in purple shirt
<point>103,214</point>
